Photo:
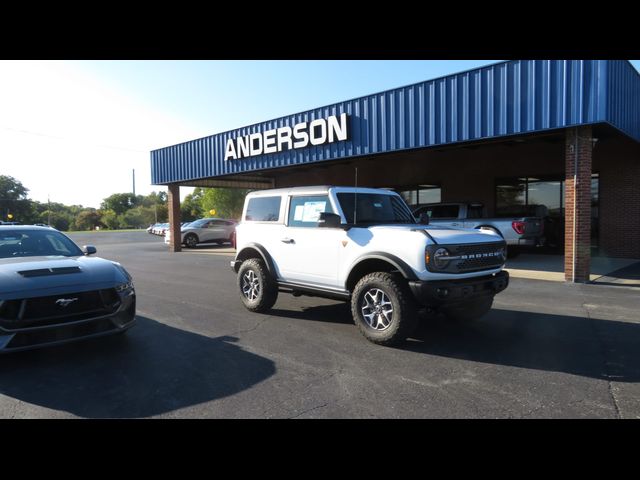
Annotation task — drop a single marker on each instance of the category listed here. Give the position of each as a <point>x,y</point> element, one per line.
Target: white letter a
<point>230,152</point>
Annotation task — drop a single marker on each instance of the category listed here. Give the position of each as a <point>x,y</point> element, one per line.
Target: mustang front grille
<point>54,309</point>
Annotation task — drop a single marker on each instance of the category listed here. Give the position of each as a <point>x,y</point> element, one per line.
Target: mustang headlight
<point>123,287</point>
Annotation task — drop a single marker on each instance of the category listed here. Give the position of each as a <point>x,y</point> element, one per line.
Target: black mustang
<point>53,292</point>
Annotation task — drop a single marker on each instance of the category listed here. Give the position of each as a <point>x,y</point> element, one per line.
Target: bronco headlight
<point>441,258</point>
<point>437,258</point>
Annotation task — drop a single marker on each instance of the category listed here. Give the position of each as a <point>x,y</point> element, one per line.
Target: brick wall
<point>173,201</point>
<point>618,161</point>
<point>577,202</point>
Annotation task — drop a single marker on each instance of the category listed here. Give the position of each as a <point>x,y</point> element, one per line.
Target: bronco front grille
<point>470,257</point>
<point>55,309</point>
<point>478,257</point>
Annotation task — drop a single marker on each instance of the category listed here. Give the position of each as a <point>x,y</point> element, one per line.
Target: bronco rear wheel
<point>258,290</point>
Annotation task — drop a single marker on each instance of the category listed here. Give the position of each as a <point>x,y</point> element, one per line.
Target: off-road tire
<point>258,289</point>
<point>403,318</point>
<point>468,311</point>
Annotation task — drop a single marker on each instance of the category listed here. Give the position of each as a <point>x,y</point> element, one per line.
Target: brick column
<point>174,217</point>
<point>578,148</point>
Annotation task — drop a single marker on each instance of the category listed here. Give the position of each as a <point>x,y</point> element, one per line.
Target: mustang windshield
<point>33,243</point>
<point>375,208</point>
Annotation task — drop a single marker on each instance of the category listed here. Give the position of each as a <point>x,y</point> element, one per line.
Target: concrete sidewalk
<point>613,271</point>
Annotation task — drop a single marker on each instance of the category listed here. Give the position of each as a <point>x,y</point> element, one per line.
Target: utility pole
<point>49,210</point>
<point>134,183</point>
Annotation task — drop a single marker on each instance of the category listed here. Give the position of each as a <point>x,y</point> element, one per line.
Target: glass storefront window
<point>510,196</point>
<point>523,196</point>
<point>547,194</point>
<point>429,194</point>
<point>422,194</point>
<point>410,196</point>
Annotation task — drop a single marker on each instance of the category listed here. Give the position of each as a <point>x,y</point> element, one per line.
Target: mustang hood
<point>26,277</point>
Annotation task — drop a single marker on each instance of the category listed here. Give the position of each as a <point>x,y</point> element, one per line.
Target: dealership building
<point>560,137</point>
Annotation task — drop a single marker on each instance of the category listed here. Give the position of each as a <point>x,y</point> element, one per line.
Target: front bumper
<point>32,337</point>
<point>444,292</point>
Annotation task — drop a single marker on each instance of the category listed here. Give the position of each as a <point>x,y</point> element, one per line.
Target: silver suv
<point>206,230</point>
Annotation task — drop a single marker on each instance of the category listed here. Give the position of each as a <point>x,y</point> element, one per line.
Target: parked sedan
<point>53,292</point>
<point>206,230</point>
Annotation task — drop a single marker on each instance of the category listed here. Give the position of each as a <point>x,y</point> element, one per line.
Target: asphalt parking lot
<point>546,350</point>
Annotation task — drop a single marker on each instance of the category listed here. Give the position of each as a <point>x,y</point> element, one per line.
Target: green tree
<point>135,218</point>
<point>154,198</point>
<point>120,202</point>
<point>110,219</point>
<point>148,214</point>
<point>162,212</point>
<point>87,219</point>
<point>14,201</point>
<point>227,202</point>
<point>58,220</point>
<point>191,207</point>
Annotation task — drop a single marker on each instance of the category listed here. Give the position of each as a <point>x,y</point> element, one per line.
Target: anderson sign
<point>317,132</point>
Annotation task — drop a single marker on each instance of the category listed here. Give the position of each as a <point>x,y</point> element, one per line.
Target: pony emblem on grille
<point>64,302</point>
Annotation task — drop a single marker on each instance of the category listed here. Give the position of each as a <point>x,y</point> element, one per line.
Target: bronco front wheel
<point>383,308</point>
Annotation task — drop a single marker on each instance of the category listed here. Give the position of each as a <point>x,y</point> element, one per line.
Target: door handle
<point>287,240</point>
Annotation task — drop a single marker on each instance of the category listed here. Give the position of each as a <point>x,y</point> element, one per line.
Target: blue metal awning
<point>508,98</point>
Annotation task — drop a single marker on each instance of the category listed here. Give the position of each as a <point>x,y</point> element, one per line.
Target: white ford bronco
<point>364,246</point>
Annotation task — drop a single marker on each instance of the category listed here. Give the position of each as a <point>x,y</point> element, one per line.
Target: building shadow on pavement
<point>153,369</point>
<point>594,348</point>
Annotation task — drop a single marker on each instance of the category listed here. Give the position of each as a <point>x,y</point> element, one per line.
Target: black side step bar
<point>308,290</point>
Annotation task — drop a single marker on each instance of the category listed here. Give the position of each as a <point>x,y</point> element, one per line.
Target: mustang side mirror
<point>423,219</point>
<point>329,220</point>
<point>89,249</point>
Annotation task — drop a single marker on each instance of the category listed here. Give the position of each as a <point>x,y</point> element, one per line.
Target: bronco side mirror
<point>329,220</point>
<point>423,219</point>
<point>89,249</point>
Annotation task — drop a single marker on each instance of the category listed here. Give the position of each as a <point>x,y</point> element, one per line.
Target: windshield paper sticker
<point>312,211</point>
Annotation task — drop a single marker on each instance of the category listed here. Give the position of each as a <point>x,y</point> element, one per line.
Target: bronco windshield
<point>375,208</point>
<point>33,243</point>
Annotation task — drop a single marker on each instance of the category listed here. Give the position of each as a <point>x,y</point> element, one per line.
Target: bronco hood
<point>449,235</point>
<point>38,276</point>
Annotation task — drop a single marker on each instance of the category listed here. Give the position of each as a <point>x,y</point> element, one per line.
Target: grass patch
<point>107,231</point>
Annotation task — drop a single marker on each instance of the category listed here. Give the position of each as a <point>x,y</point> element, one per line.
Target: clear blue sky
<point>222,95</point>
<point>74,130</point>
